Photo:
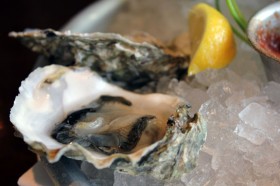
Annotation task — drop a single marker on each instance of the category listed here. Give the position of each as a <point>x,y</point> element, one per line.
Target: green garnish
<point>238,18</point>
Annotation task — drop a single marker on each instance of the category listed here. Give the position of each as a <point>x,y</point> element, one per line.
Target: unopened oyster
<point>72,111</point>
<point>130,62</point>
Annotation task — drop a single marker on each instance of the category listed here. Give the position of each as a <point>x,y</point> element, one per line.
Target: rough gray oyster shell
<point>68,103</point>
<point>130,62</point>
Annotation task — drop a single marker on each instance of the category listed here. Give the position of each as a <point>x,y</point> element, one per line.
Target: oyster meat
<point>72,111</point>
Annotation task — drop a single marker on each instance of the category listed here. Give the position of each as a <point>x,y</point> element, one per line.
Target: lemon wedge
<point>212,40</point>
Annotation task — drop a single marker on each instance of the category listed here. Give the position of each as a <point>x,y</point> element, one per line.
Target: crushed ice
<point>243,114</point>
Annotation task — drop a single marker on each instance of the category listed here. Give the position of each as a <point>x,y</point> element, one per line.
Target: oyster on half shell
<point>72,111</point>
<point>132,62</point>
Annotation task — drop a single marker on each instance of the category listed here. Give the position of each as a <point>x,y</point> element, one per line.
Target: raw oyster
<point>72,111</point>
<point>130,62</point>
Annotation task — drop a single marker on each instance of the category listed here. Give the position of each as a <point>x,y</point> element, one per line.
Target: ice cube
<point>211,76</point>
<point>233,102</point>
<point>123,179</point>
<point>221,91</point>
<point>195,178</point>
<point>267,182</point>
<point>253,135</point>
<point>256,116</point>
<point>261,117</point>
<point>272,90</point>
<point>268,169</point>
<point>261,155</point>
<point>224,181</point>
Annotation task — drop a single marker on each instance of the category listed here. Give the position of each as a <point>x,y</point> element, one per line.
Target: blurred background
<point>16,62</point>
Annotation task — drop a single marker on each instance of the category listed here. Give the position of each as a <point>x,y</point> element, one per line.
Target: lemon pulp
<point>212,40</point>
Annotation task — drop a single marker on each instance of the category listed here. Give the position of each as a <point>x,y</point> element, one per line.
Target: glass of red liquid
<point>264,34</point>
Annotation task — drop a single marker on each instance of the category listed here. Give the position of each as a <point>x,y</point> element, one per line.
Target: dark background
<point>16,62</point>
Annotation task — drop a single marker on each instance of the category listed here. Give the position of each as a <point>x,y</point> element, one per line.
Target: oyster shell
<point>72,111</point>
<point>130,62</point>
